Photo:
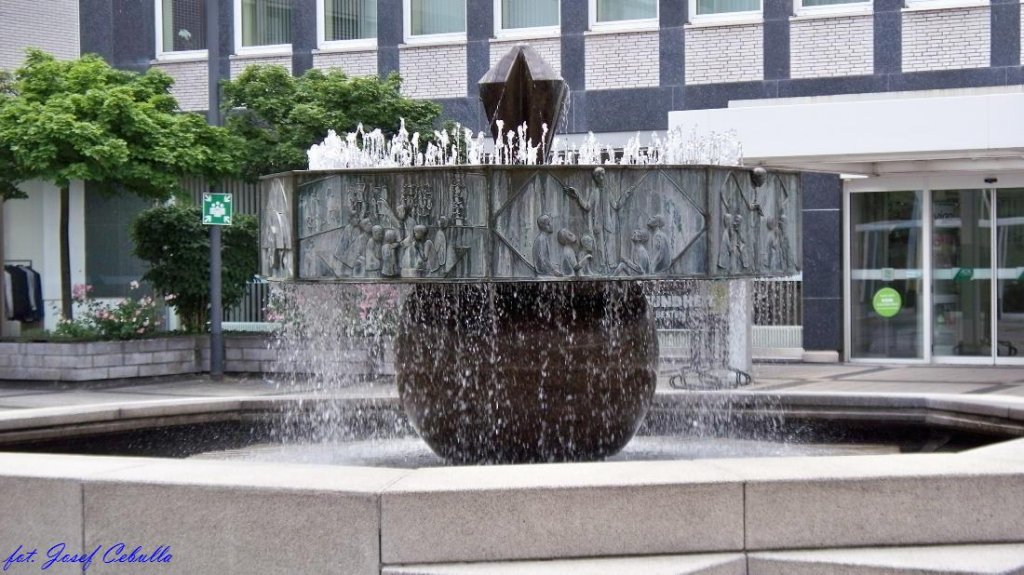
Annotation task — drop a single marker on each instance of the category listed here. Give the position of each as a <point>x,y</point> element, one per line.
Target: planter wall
<point>177,355</point>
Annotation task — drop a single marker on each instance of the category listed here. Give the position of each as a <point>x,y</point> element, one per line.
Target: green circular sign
<point>887,302</point>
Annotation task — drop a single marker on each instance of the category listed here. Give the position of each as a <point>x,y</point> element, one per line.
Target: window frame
<point>854,7</point>
<point>637,24</point>
<point>919,5</point>
<point>426,39</point>
<point>743,17</point>
<point>324,44</point>
<point>502,33</point>
<point>174,55</point>
<point>263,50</point>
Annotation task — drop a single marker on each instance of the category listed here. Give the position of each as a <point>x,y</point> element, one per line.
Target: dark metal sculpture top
<point>522,87</point>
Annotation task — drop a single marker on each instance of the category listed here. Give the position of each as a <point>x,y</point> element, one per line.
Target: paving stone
<point>948,560</point>
<point>709,564</point>
<point>908,499</point>
<point>43,504</point>
<point>222,517</point>
<point>498,513</point>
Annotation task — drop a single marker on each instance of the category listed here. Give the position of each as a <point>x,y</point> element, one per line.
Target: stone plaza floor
<point>1006,383</point>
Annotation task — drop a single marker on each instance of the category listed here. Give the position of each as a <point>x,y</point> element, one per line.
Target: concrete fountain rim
<point>732,509</point>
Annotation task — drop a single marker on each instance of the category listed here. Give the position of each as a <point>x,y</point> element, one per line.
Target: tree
<point>120,131</point>
<point>280,116</point>
<point>176,244</point>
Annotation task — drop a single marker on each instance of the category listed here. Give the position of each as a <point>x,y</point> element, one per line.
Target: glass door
<point>961,273</point>
<point>1010,276</point>
<point>886,279</point>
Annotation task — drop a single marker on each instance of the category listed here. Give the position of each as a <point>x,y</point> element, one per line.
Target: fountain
<point>536,340</point>
<point>527,336</point>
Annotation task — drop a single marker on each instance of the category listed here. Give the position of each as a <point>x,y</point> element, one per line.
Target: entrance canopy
<point>974,130</point>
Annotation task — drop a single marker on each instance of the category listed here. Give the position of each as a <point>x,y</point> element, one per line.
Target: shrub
<point>173,239</point>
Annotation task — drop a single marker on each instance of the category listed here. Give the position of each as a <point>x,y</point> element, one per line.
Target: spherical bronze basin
<point>508,373</point>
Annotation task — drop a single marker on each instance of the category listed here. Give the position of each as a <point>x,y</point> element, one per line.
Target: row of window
<point>268,23</point>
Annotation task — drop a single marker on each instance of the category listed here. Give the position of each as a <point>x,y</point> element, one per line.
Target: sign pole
<point>216,308</point>
<point>214,119</point>
<point>218,209</point>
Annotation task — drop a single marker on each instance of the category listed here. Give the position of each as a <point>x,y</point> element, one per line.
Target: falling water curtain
<point>438,16</point>
<point>528,13</point>
<point>184,25</point>
<point>611,10</point>
<point>351,19</point>
<point>266,22</point>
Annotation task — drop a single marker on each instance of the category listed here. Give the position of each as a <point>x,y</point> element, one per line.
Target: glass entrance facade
<point>937,275</point>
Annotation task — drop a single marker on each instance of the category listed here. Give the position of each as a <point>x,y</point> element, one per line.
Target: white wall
<point>31,232</point>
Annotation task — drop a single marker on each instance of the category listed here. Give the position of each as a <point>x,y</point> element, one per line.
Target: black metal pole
<point>216,307</point>
<point>213,118</point>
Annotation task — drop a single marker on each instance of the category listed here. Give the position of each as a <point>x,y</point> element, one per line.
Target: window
<point>442,19</point>
<point>707,7</point>
<point>262,23</point>
<point>724,10</point>
<point>348,21</point>
<point>518,16</point>
<point>617,14</point>
<point>181,26</point>
<point>804,7</point>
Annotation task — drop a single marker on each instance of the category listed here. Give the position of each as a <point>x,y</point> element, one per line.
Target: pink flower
<point>80,291</point>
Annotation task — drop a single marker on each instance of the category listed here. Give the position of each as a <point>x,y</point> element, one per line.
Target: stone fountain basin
<point>708,516</point>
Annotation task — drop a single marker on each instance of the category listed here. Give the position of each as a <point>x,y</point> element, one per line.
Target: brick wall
<point>50,24</point>
<point>239,63</point>
<point>433,71</point>
<point>946,39</point>
<point>190,83</point>
<point>178,355</point>
<point>840,46</point>
<point>362,63</point>
<point>724,54</point>
<point>627,60</point>
<point>549,48</point>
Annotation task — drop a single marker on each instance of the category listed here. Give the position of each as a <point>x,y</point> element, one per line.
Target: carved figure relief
<point>458,193</point>
<point>661,258</point>
<point>277,233</point>
<point>570,265</point>
<point>586,258</point>
<point>639,261</point>
<point>546,222</point>
<point>588,202</point>
<point>389,255</point>
<point>740,216</point>
<point>418,255</point>
<point>542,247</point>
<point>779,253</point>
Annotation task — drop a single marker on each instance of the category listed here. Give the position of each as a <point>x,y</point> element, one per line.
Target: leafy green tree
<point>280,116</point>
<point>176,244</point>
<point>120,131</point>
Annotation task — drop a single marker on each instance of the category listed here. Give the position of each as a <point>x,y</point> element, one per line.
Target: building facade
<point>915,102</point>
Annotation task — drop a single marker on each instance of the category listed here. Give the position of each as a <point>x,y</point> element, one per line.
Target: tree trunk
<point>65,252</point>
